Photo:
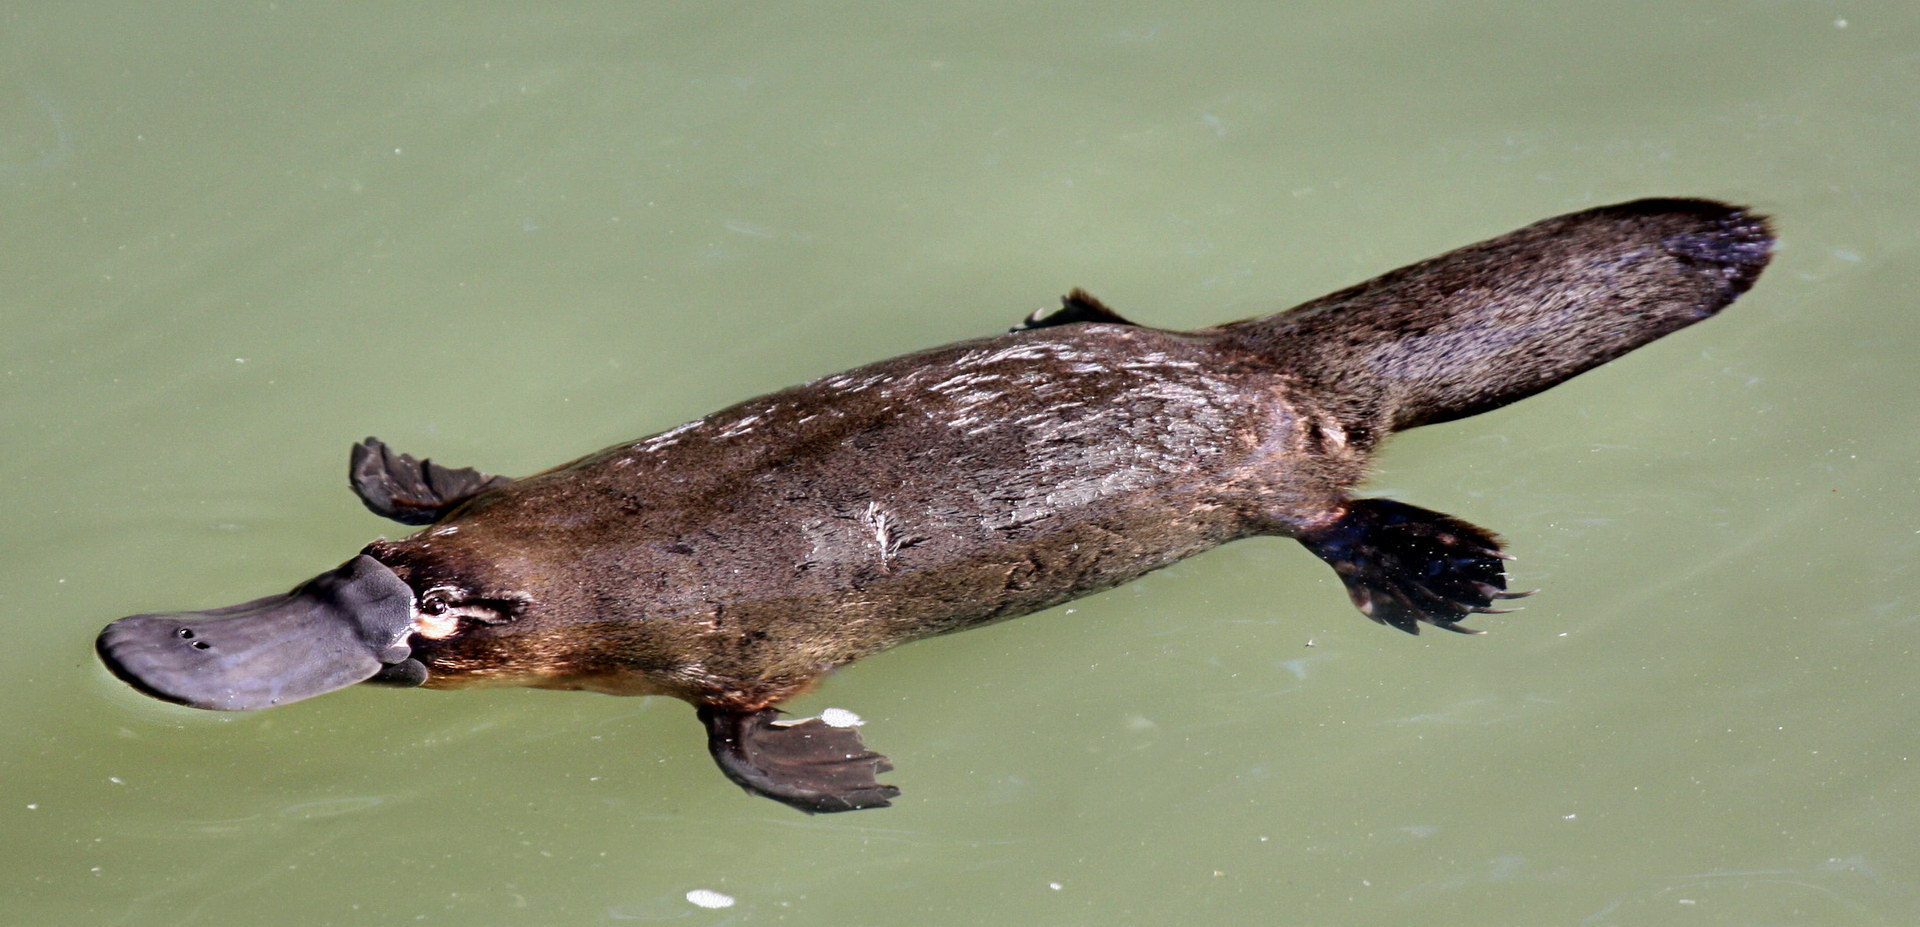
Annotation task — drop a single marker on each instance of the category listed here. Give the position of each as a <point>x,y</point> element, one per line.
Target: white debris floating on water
<point>840,717</point>
<point>708,898</point>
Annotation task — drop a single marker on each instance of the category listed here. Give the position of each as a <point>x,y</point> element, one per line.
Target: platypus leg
<point>1077,306</point>
<point>409,491</point>
<point>810,765</point>
<point>1404,564</point>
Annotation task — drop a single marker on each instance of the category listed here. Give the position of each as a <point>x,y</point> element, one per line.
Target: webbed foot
<point>1077,306</point>
<point>809,764</point>
<point>409,491</point>
<point>1404,564</point>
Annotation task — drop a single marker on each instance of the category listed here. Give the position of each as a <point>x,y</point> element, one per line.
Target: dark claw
<point>409,491</point>
<point>808,764</point>
<point>1403,565</point>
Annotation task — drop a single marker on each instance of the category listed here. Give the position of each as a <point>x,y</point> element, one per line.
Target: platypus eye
<point>437,615</point>
<point>441,611</point>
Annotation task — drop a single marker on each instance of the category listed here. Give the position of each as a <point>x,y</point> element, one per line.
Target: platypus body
<point>736,559</point>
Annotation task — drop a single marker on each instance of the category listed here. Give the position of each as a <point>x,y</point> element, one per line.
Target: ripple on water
<point>332,807</point>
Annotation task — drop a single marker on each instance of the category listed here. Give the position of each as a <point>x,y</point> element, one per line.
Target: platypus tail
<point>1491,323</point>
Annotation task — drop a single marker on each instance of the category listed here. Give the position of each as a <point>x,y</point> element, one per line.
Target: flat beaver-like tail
<point>1475,329</point>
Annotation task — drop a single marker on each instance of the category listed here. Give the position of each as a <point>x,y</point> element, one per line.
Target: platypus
<point>735,560</point>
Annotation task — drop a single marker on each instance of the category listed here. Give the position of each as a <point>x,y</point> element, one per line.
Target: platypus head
<point>386,616</point>
<point>344,626</point>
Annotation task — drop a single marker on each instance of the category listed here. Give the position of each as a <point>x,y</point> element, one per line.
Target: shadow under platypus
<point>735,560</point>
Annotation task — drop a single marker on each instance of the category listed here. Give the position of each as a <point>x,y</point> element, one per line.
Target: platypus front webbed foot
<point>810,764</point>
<point>1404,564</point>
<point>409,491</point>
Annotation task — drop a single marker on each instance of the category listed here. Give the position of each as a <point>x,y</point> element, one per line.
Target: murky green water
<point>240,237</point>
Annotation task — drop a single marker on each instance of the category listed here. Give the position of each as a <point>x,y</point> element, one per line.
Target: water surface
<point>242,236</point>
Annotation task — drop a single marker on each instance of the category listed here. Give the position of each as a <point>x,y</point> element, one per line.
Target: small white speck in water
<point>840,717</point>
<point>1054,885</point>
<point>708,898</point>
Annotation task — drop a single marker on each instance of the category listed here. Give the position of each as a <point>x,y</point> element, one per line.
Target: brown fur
<point>733,560</point>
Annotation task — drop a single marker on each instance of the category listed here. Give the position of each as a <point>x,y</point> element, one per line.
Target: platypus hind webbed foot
<point>1075,307</point>
<point>810,764</point>
<point>1404,564</point>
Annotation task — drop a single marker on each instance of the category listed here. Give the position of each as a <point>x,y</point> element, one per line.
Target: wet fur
<point>769,542</point>
<point>733,560</point>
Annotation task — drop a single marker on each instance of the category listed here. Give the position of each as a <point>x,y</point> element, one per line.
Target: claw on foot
<point>1403,565</point>
<point>807,764</point>
<point>409,491</point>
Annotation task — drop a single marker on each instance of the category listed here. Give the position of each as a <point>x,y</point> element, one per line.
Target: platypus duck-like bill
<point>735,560</point>
<point>337,629</point>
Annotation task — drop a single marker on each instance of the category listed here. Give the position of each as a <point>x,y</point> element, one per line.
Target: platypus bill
<point>735,560</point>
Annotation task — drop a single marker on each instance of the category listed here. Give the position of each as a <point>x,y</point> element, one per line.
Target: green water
<point>240,237</point>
